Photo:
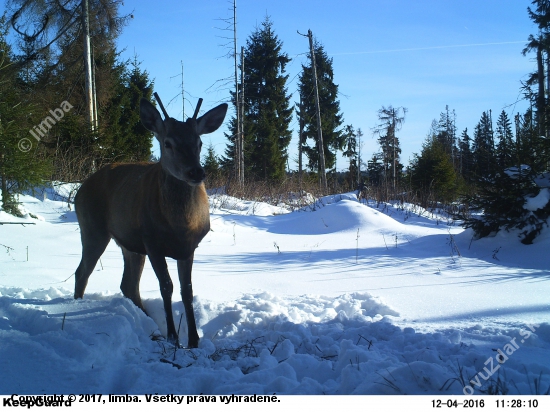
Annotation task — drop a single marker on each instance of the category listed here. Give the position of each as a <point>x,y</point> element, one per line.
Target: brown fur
<point>155,209</point>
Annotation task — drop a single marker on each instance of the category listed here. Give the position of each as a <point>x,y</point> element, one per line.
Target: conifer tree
<point>483,147</point>
<point>391,120</point>
<point>432,173</point>
<point>502,195</point>
<point>505,146</point>
<point>211,162</point>
<point>331,118</point>
<point>500,201</point>
<point>50,32</point>
<point>22,165</point>
<point>466,160</point>
<point>351,153</point>
<point>50,39</point>
<point>508,177</point>
<point>446,132</point>
<point>267,111</point>
<point>539,43</point>
<point>375,170</point>
<point>125,138</point>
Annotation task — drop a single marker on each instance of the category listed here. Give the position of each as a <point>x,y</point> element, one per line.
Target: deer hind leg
<point>93,245</point>
<point>184,272</point>
<point>133,267</point>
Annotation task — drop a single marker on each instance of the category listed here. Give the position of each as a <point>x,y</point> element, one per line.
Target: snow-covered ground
<point>342,298</point>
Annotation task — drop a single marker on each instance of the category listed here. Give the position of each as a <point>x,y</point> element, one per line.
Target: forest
<point>50,130</point>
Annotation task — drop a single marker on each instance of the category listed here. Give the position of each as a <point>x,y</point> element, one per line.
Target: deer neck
<point>178,198</point>
<point>173,189</point>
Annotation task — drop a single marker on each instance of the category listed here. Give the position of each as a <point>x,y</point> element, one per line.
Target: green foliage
<point>267,107</point>
<point>50,67</point>
<point>515,173</point>
<point>211,163</point>
<point>50,33</point>
<point>352,154</point>
<point>76,151</point>
<point>375,170</point>
<point>502,199</point>
<point>334,138</point>
<point>21,165</point>
<point>432,174</point>
<point>124,138</point>
<point>445,131</point>
<point>505,145</point>
<point>390,121</point>
<point>465,157</point>
<point>484,147</point>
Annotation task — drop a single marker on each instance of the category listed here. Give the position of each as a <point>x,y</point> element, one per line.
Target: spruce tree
<point>211,163</point>
<point>483,147</point>
<point>124,137</point>
<point>50,32</point>
<point>432,173</point>
<point>465,155</point>
<point>390,120</point>
<point>351,153</point>
<point>331,119</point>
<point>508,178</point>
<point>539,43</point>
<point>51,58</point>
<point>446,132</point>
<point>375,170</point>
<point>22,165</point>
<point>267,111</point>
<point>500,201</point>
<point>501,197</point>
<point>505,145</point>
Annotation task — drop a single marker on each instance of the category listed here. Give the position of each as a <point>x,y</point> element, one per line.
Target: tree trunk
<point>5,196</point>
<point>540,96</point>
<point>300,134</point>
<point>320,144</point>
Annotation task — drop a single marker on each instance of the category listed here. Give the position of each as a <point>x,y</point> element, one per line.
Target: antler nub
<point>197,108</point>
<point>157,98</point>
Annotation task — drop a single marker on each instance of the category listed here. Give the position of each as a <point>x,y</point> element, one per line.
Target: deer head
<point>180,142</point>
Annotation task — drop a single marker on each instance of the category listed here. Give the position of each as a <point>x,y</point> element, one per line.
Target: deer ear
<point>150,117</point>
<point>211,120</point>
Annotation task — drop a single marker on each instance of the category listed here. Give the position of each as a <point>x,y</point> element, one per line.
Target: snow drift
<point>347,298</point>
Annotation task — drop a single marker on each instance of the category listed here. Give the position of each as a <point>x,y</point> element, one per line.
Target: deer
<point>157,210</point>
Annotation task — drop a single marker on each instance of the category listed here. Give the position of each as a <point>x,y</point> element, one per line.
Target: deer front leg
<point>166,288</point>
<point>184,272</point>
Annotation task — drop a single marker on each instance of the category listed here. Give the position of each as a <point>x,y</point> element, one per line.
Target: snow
<point>513,172</point>
<point>537,202</point>
<point>341,297</point>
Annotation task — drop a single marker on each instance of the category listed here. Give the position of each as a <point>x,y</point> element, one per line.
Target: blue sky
<point>420,54</point>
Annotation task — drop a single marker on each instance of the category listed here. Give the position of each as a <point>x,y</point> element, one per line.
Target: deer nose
<point>196,174</point>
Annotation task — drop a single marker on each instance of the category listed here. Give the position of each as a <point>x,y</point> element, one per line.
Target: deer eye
<point>167,144</point>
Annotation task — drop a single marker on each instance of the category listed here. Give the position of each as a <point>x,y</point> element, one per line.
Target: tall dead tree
<point>541,92</point>
<point>300,138</point>
<point>238,148</point>
<point>182,93</point>
<point>320,145</point>
<point>241,118</point>
<point>359,135</point>
<point>88,80</point>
